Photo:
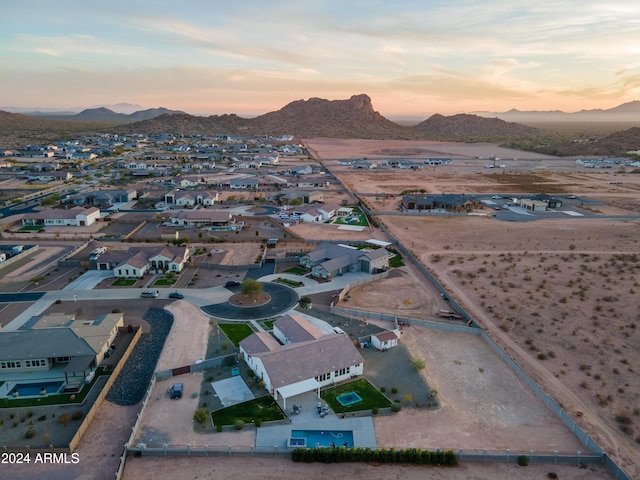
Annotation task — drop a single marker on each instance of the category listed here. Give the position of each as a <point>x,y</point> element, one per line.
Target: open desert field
<point>560,295</point>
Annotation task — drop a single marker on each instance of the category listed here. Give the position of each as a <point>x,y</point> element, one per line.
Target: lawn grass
<point>62,399</point>
<point>164,282</point>
<point>264,408</point>
<point>395,260</point>
<point>362,220</point>
<point>296,271</point>
<point>371,397</point>
<point>124,282</point>
<point>236,332</point>
<point>268,324</point>
<point>31,228</point>
<point>289,283</point>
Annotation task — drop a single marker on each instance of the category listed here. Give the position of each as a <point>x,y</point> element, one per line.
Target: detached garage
<point>385,340</point>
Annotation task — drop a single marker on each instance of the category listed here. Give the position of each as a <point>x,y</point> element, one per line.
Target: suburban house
<point>306,363</point>
<point>328,210</point>
<point>75,217</point>
<point>203,218</point>
<point>56,347</point>
<point>329,260</point>
<point>189,198</point>
<point>243,183</point>
<point>137,261</point>
<point>533,205</point>
<point>308,213</point>
<point>551,202</point>
<point>291,328</point>
<point>449,202</point>
<point>50,176</point>
<point>385,340</point>
<point>105,198</point>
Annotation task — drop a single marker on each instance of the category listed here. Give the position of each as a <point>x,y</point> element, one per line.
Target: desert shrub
<point>394,390</point>
<point>238,424</point>
<point>200,416</point>
<point>552,475</point>
<point>77,415</point>
<point>383,390</point>
<point>218,428</point>
<point>396,407</point>
<point>42,418</point>
<point>523,461</point>
<point>64,419</point>
<point>257,422</point>
<point>30,433</point>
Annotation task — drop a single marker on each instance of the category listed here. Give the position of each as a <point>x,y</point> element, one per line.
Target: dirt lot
<point>190,468</point>
<point>559,295</point>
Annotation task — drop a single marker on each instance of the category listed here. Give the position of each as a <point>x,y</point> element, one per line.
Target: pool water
<point>33,389</point>
<point>322,438</point>
<point>348,398</point>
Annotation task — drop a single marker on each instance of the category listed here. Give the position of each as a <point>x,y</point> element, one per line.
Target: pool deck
<point>362,428</point>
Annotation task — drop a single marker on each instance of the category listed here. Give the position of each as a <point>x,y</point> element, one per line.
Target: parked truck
<point>449,314</point>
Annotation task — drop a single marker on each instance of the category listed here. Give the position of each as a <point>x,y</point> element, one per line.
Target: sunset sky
<point>413,58</point>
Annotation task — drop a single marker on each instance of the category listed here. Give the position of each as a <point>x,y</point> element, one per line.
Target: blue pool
<point>348,398</point>
<point>34,389</point>
<point>321,438</point>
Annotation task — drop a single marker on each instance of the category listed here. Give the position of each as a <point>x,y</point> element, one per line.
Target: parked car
<point>338,330</point>
<point>149,294</point>
<point>232,283</point>
<point>176,390</point>
<point>177,295</point>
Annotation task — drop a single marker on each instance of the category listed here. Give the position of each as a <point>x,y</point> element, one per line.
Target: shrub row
<point>340,454</point>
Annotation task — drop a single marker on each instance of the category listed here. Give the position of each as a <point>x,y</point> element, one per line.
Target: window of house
<point>342,371</point>
<point>323,377</point>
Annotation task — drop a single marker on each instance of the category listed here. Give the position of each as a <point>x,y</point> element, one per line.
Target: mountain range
<point>104,114</point>
<point>316,117</point>
<point>627,112</point>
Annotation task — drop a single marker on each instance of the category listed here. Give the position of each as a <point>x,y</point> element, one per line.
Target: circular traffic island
<point>275,300</point>
<point>245,301</point>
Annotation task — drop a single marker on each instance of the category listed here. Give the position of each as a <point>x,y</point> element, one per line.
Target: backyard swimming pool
<point>348,398</point>
<point>35,389</point>
<point>321,438</point>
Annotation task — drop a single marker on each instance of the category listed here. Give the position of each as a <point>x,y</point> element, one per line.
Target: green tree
<point>50,200</point>
<point>295,202</point>
<point>418,363</point>
<point>251,288</point>
<point>200,416</point>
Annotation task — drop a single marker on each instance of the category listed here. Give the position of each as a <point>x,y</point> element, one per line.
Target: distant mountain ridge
<point>626,112</point>
<point>351,118</point>
<point>104,114</point>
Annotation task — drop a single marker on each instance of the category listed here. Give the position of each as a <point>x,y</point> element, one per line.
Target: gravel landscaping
<point>133,381</point>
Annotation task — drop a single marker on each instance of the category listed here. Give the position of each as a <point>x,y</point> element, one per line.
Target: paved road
<point>212,301</point>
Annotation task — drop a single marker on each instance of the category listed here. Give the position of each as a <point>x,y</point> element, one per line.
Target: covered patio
<point>288,391</point>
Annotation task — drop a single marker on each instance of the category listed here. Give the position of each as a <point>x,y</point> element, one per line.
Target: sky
<point>413,58</point>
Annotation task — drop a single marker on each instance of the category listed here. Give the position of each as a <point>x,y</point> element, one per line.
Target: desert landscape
<point>558,294</point>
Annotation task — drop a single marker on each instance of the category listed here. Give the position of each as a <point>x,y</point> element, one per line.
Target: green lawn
<point>264,408</point>
<point>289,283</point>
<point>371,397</point>
<point>296,271</point>
<point>31,228</point>
<point>164,282</point>
<point>124,282</point>
<point>267,324</point>
<point>362,220</point>
<point>236,332</point>
<point>396,260</point>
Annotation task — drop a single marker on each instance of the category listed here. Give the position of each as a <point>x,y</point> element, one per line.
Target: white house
<point>75,217</point>
<point>300,366</point>
<point>385,340</point>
